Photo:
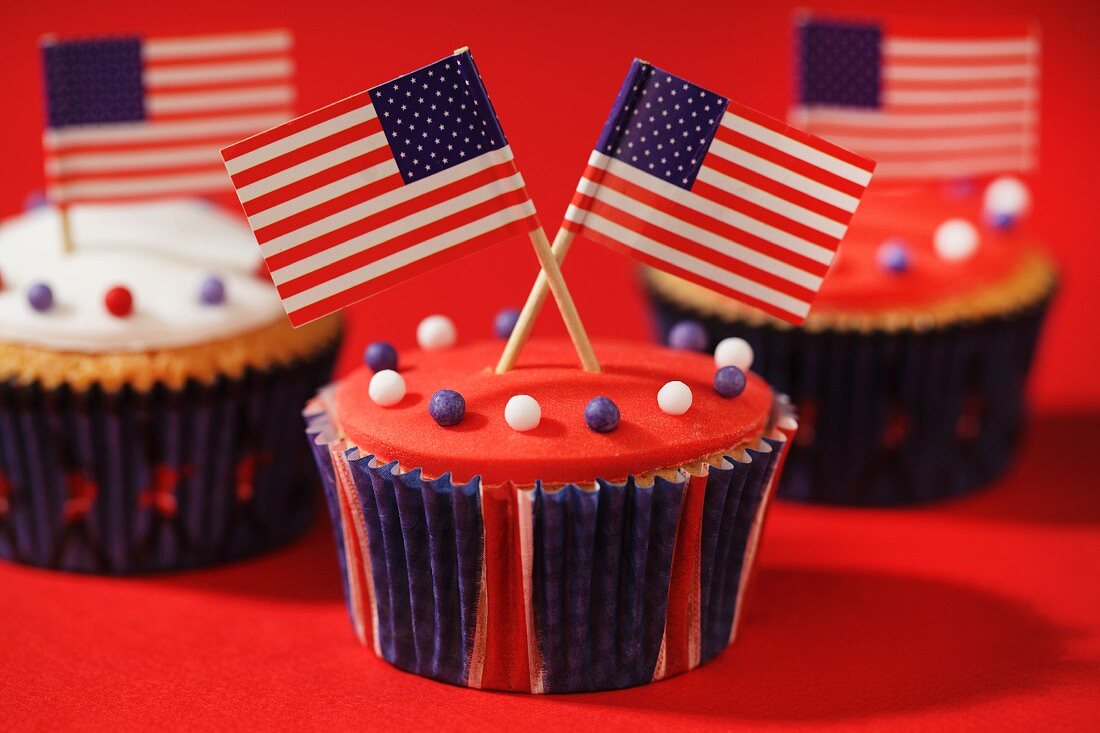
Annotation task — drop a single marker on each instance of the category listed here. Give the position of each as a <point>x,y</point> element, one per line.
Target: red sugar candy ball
<point>119,301</point>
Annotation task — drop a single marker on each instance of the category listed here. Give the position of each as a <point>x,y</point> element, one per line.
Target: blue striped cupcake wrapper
<point>891,417</point>
<point>130,482</point>
<point>621,584</point>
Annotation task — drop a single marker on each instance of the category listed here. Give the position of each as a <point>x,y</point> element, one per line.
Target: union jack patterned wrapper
<point>546,589</point>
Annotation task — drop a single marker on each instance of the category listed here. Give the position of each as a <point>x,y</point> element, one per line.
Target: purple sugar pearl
<point>380,355</point>
<point>959,188</point>
<point>212,291</point>
<point>729,381</point>
<point>1001,222</point>
<point>893,255</point>
<point>505,322</point>
<point>447,407</point>
<point>40,297</point>
<point>34,200</point>
<point>601,414</point>
<point>688,336</point>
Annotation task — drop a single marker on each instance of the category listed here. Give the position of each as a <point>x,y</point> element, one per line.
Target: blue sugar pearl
<point>447,407</point>
<point>505,322</point>
<point>35,200</point>
<point>688,336</point>
<point>601,414</point>
<point>40,297</point>
<point>380,355</point>
<point>893,256</point>
<point>959,188</point>
<point>729,381</point>
<point>1002,222</point>
<point>212,291</point>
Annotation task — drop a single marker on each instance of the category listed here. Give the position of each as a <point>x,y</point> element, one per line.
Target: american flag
<point>388,183</point>
<point>686,181</point>
<point>132,117</point>
<point>950,100</point>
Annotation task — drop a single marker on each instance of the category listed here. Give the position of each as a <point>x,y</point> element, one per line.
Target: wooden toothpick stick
<point>533,306</point>
<point>550,279</point>
<point>66,230</point>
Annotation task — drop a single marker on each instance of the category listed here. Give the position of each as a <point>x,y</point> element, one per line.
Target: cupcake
<point>547,530</point>
<point>909,374</point>
<point>149,389</point>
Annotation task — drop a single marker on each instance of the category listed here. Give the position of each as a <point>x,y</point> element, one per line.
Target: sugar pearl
<point>959,188</point>
<point>729,381</point>
<point>688,336</point>
<point>1006,199</point>
<point>893,255</point>
<point>601,414</point>
<point>522,413</point>
<point>119,301</point>
<point>212,291</point>
<point>436,332</point>
<point>674,398</point>
<point>505,322</point>
<point>447,407</point>
<point>40,297</point>
<point>35,200</point>
<point>379,356</point>
<point>387,387</point>
<point>734,352</point>
<point>956,239</point>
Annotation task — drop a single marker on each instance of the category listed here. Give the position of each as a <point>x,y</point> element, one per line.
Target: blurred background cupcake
<point>548,529</point>
<point>909,374</point>
<point>149,391</point>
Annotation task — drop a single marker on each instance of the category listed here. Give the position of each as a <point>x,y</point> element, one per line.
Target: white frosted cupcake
<point>149,391</point>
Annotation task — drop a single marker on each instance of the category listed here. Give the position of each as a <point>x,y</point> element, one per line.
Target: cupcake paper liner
<point>891,417</point>
<point>129,481</point>
<point>544,590</point>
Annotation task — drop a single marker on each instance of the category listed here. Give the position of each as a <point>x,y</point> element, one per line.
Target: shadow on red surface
<point>1054,480</point>
<point>834,645</point>
<point>304,572</point>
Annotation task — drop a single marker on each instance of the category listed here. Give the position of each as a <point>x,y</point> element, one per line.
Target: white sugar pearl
<point>522,413</point>
<point>1007,196</point>
<point>674,398</point>
<point>387,387</point>
<point>436,332</point>
<point>956,239</point>
<point>733,352</point>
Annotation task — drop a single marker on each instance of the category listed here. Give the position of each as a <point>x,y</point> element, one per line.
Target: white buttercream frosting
<point>162,251</point>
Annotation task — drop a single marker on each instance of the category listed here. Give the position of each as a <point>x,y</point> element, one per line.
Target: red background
<point>983,612</point>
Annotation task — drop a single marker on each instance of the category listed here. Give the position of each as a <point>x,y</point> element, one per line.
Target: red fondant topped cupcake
<point>548,529</point>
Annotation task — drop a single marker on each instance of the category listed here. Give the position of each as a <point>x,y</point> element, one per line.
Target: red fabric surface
<point>562,448</point>
<point>980,613</point>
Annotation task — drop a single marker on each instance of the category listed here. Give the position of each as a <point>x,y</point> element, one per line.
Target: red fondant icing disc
<point>562,449</point>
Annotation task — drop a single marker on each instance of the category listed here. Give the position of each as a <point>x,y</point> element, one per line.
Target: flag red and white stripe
<point>761,222</point>
<point>337,222</point>
<point>957,100</point>
<point>201,93</point>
